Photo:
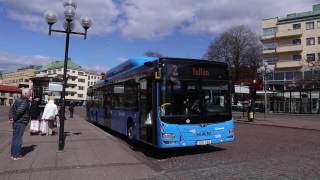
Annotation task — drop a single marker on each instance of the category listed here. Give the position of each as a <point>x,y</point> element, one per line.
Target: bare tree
<point>150,53</point>
<point>238,46</point>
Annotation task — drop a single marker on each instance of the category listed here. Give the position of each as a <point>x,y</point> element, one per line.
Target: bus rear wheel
<point>130,137</point>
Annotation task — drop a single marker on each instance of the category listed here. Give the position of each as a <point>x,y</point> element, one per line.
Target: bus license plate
<point>203,142</point>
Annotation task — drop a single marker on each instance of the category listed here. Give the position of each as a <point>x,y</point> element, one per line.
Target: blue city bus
<point>165,102</point>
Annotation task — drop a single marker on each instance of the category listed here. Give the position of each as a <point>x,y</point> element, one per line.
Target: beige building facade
<point>291,48</point>
<point>19,78</point>
<point>78,80</point>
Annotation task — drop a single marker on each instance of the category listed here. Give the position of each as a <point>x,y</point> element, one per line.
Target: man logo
<point>188,121</point>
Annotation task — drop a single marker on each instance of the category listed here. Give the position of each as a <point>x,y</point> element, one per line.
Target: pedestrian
<point>71,109</point>
<point>48,118</point>
<point>19,117</point>
<point>34,115</point>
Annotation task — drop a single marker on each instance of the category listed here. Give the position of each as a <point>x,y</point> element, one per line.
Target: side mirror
<point>148,64</point>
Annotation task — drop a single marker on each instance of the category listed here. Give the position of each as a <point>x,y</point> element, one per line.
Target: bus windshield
<point>190,98</point>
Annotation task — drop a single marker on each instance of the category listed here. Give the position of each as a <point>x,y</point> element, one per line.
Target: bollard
<point>250,116</point>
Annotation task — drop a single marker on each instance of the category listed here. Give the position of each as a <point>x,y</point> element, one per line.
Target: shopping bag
<point>43,126</point>
<point>34,126</point>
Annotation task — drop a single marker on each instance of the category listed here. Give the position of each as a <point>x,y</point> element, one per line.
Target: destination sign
<point>196,71</point>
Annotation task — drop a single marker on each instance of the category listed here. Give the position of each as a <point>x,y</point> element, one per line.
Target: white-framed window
<point>309,25</point>
<point>81,80</point>
<point>311,57</point>
<point>318,24</point>
<point>80,95</point>
<point>310,41</point>
<point>296,26</point>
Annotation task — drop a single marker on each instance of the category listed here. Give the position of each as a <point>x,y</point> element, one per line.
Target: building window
<point>309,25</point>
<point>310,41</point>
<point>80,73</point>
<point>311,57</point>
<point>11,94</point>
<point>289,75</point>
<point>296,41</point>
<point>88,83</point>
<point>318,56</point>
<point>279,76</point>
<point>3,94</point>
<point>81,80</point>
<point>54,72</point>
<point>318,40</point>
<point>73,71</point>
<point>269,46</point>
<point>81,88</point>
<point>270,60</point>
<point>91,83</point>
<point>88,77</point>
<point>270,31</point>
<point>296,26</point>
<point>318,24</point>
<point>297,75</point>
<point>80,95</point>
<point>296,57</point>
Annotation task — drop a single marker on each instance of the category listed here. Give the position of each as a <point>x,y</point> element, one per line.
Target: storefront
<point>292,101</point>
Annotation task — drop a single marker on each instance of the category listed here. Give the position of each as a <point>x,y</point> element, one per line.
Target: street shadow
<point>27,149</point>
<point>159,154</point>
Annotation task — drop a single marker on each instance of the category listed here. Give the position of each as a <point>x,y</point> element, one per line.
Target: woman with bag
<point>48,117</point>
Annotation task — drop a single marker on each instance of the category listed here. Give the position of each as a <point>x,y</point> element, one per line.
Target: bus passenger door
<point>145,108</point>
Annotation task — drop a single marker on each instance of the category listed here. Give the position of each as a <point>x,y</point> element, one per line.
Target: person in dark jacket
<point>71,109</point>
<point>19,116</point>
<point>35,109</point>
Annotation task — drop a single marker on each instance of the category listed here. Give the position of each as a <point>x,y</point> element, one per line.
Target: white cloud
<point>31,14</point>
<point>96,67</point>
<point>149,19</point>
<point>121,59</point>
<point>11,61</point>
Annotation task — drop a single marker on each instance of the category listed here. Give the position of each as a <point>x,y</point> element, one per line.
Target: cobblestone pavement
<point>259,152</point>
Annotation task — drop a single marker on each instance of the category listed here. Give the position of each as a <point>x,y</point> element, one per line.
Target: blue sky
<point>126,28</point>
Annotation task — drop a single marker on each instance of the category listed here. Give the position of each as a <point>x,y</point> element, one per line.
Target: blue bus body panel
<point>119,120</point>
<point>97,115</point>
<point>191,134</point>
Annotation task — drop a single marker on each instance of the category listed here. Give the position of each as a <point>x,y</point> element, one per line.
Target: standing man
<point>71,109</point>
<point>19,117</point>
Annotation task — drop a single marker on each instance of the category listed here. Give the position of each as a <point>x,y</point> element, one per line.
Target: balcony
<point>289,33</point>
<point>282,34</point>
<point>288,64</point>
<point>268,37</point>
<point>268,51</point>
<point>289,48</point>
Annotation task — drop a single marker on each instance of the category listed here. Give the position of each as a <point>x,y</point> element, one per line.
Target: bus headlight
<point>168,135</point>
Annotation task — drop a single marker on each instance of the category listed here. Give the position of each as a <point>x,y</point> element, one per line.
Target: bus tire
<point>130,136</point>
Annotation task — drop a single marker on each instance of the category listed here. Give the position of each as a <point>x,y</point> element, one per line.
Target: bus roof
<point>136,62</point>
<point>128,65</point>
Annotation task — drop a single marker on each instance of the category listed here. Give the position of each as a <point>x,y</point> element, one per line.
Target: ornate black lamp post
<point>51,18</point>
